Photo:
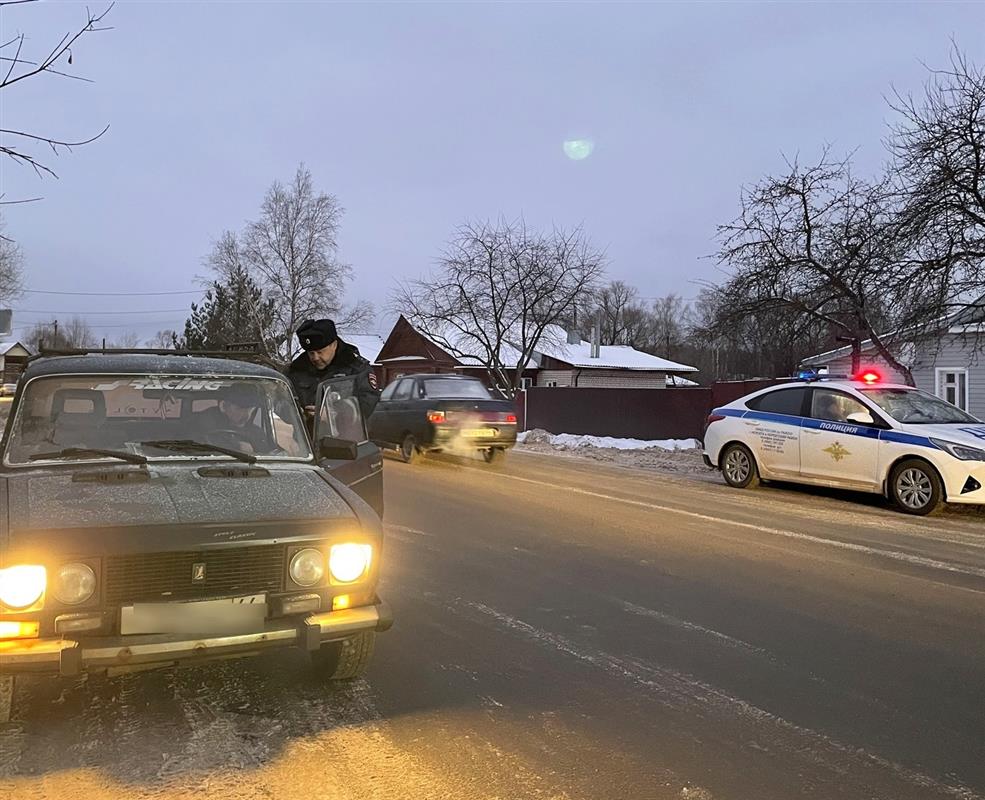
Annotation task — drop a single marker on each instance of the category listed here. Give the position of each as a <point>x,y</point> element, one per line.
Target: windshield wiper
<point>69,452</point>
<point>191,446</point>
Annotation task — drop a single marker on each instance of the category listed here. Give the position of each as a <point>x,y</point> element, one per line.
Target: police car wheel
<point>408,449</point>
<point>739,467</point>
<point>915,487</point>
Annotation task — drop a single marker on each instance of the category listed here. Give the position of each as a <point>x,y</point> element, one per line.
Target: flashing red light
<point>436,417</point>
<point>870,376</point>
<point>511,418</point>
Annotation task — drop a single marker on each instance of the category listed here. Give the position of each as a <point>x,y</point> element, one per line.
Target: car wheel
<point>344,660</point>
<point>739,467</point>
<point>915,487</point>
<point>408,449</point>
<point>494,455</point>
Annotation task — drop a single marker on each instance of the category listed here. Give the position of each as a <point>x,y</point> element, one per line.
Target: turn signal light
<point>341,602</point>
<point>18,630</point>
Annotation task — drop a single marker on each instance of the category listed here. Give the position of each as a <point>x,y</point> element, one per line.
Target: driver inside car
<point>235,417</point>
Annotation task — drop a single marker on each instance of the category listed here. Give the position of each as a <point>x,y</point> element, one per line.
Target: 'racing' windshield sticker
<point>170,384</point>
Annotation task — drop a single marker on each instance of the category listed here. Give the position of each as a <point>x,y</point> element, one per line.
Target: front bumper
<point>70,657</point>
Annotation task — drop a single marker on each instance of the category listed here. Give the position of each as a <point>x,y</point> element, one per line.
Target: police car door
<point>342,443</point>
<point>835,449</point>
<point>772,429</point>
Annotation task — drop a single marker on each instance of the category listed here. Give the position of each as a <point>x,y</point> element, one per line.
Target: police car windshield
<point>913,407</point>
<point>72,418</point>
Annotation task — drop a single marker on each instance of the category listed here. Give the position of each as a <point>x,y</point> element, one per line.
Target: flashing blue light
<point>807,375</point>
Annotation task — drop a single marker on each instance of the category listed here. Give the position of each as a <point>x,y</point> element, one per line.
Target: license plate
<point>479,433</point>
<point>229,616</point>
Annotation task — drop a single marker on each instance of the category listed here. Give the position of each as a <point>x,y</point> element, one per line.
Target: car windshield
<point>157,417</point>
<point>913,407</point>
<point>454,389</point>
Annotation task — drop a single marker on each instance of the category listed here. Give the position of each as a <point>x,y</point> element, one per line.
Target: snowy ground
<point>665,455</point>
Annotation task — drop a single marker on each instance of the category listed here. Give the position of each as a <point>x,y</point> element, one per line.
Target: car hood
<point>171,496</point>
<point>971,434</point>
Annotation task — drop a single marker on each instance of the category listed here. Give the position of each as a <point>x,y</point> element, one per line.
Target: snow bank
<point>573,441</point>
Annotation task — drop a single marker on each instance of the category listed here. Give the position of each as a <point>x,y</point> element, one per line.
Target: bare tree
<point>616,308</point>
<point>291,252</point>
<point>125,341</point>
<point>11,269</point>
<point>938,150</point>
<point>15,68</point>
<point>55,335</point>
<point>825,244</point>
<point>670,325</point>
<point>497,291</point>
<point>164,340</point>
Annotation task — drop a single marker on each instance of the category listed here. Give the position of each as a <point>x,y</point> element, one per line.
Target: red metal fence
<point>628,413</point>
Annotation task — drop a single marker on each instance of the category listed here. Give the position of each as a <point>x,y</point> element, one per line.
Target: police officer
<point>326,356</point>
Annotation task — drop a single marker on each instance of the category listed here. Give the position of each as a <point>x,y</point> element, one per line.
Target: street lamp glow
<point>578,149</point>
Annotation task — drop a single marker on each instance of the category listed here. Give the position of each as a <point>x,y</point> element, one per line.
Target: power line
<point>113,294</point>
<point>83,313</point>
<point>131,325</point>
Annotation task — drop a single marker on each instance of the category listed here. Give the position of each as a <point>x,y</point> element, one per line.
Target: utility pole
<point>56,333</point>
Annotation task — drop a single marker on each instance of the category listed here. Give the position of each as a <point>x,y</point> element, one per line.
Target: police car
<point>852,433</point>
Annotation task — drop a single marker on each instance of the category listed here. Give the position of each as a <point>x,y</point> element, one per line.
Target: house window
<point>550,384</point>
<point>526,383</point>
<point>952,386</point>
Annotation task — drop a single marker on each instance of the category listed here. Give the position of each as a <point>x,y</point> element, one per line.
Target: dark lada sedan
<point>164,509</point>
<point>451,413</point>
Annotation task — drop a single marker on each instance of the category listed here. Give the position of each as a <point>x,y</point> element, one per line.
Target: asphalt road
<point>566,630</point>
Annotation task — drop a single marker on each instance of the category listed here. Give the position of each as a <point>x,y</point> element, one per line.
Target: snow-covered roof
<point>610,356</point>
<point>554,343</point>
<point>368,344</point>
<point>6,347</point>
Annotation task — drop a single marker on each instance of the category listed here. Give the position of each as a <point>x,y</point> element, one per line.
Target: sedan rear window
<point>442,389</point>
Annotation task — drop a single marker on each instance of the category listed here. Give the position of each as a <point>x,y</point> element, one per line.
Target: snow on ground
<point>666,455</point>
<point>571,440</point>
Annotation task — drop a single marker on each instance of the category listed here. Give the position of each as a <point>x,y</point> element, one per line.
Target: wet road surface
<point>569,630</point>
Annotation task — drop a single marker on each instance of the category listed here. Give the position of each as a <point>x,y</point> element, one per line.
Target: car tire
<point>739,467</point>
<point>915,487</point>
<point>494,455</point>
<point>408,449</point>
<point>346,659</point>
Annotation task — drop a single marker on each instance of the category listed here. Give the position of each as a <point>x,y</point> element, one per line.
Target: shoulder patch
<point>374,381</point>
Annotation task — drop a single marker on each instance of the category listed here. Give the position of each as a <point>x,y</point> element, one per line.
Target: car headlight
<point>960,451</point>
<point>22,586</point>
<point>74,584</point>
<point>308,567</point>
<point>349,562</point>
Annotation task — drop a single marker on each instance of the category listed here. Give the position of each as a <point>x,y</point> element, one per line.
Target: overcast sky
<point>418,116</point>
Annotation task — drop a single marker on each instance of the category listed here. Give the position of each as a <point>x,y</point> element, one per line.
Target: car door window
<point>402,392</point>
<point>834,406</point>
<point>339,413</point>
<point>389,391</point>
<point>782,401</point>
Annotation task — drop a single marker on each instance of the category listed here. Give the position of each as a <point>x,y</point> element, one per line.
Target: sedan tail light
<point>437,417</point>
<point>713,418</point>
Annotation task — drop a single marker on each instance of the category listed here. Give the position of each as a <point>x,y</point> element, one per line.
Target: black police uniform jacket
<point>347,363</point>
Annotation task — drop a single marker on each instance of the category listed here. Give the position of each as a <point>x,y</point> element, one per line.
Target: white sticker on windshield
<point>170,384</point>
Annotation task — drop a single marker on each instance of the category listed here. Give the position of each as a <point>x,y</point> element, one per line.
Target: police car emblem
<point>836,451</point>
<point>198,573</point>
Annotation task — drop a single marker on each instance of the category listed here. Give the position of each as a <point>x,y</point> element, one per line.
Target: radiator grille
<point>148,577</point>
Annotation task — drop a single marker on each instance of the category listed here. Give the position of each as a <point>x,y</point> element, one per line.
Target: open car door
<point>342,444</point>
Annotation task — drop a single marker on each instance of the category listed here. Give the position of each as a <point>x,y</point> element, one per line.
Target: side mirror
<point>861,418</point>
<point>337,449</point>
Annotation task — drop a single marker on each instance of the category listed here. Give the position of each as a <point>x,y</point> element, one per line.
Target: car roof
<point>145,364</point>
<point>841,385</point>
<point>445,376</point>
